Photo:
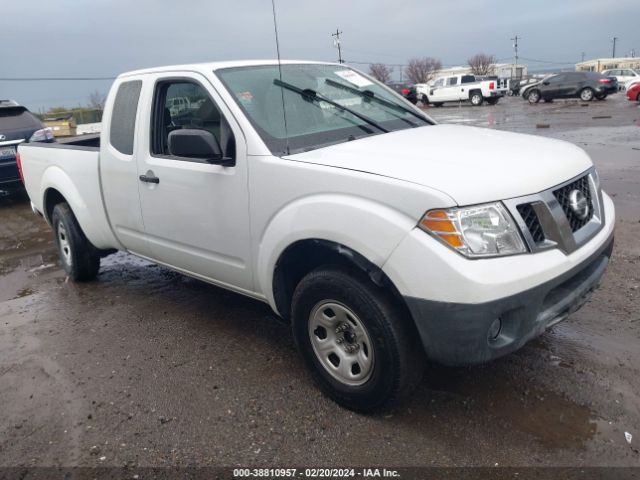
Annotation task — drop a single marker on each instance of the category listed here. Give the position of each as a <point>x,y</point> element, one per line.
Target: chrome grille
<point>532,222</point>
<point>547,220</point>
<point>562,195</point>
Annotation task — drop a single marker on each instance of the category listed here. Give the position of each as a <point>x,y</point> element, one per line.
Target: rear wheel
<point>476,98</point>
<point>586,94</point>
<point>638,98</point>
<point>356,341</point>
<point>79,258</point>
<point>425,100</point>
<point>533,96</point>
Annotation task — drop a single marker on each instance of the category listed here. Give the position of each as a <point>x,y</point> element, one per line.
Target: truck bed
<point>76,167</point>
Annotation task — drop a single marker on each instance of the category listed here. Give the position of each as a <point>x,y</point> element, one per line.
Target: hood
<point>470,164</point>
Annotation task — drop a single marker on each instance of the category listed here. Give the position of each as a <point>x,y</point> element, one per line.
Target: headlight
<point>42,135</point>
<point>478,231</point>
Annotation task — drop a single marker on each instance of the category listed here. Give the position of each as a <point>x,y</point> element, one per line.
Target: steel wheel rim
<point>475,99</point>
<point>65,246</point>
<point>341,343</point>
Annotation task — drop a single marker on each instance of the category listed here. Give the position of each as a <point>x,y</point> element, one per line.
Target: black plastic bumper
<point>458,333</point>
<point>9,176</point>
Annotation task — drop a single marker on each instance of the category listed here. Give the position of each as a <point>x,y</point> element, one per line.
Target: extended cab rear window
<point>123,118</point>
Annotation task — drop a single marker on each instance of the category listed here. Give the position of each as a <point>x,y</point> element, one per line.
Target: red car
<point>633,94</point>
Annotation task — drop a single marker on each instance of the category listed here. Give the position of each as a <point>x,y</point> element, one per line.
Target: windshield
<point>324,105</point>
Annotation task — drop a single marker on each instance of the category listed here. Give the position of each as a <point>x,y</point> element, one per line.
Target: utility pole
<point>336,42</point>
<point>582,57</point>
<point>515,47</point>
<point>615,39</point>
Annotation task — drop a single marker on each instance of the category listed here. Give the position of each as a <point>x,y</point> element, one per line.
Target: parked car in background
<point>401,88</point>
<point>412,95</point>
<point>633,93</point>
<point>622,75</point>
<point>17,125</point>
<point>583,85</point>
<point>631,83</point>
<point>518,87</point>
<point>381,253</point>
<point>459,88</point>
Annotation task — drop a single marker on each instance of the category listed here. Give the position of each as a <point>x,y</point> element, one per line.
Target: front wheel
<point>533,96</point>
<point>476,99</point>
<point>586,95</point>
<point>79,258</point>
<point>356,341</point>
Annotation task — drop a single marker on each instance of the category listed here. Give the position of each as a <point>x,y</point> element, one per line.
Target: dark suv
<point>17,125</point>
<point>583,85</point>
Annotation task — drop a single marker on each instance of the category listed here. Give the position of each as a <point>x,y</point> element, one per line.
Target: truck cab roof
<point>212,66</point>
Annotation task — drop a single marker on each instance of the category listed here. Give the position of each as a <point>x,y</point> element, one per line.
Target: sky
<point>103,38</point>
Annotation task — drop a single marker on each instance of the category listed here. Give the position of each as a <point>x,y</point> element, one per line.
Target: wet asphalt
<point>146,367</point>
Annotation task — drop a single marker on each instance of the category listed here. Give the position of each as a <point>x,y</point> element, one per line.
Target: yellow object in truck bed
<point>62,127</point>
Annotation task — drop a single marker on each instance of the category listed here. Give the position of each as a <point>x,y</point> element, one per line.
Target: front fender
<point>367,227</point>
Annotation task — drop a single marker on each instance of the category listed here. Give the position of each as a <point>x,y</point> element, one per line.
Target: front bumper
<point>458,333</point>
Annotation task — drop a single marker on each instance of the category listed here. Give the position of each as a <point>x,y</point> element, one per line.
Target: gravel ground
<point>146,367</point>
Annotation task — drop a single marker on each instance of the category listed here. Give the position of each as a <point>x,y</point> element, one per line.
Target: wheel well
<point>52,197</point>
<point>304,256</point>
<point>475,90</point>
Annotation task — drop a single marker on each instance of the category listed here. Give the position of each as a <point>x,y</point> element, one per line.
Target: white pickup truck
<point>386,240</point>
<point>459,88</point>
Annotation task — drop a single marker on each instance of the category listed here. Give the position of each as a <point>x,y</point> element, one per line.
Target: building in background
<point>500,70</point>
<point>600,64</point>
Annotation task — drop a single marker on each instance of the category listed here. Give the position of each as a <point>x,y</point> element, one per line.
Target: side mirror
<point>545,83</point>
<point>196,143</point>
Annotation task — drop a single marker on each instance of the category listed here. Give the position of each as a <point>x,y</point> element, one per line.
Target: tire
<point>330,303</point>
<point>79,258</point>
<point>601,96</point>
<point>425,100</point>
<point>476,98</point>
<point>638,98</point>
<point>586,94</point>
<point>492,101</point>
<point>533,96</point>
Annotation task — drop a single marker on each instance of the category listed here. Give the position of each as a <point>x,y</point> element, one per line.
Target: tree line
<point>422,70</point>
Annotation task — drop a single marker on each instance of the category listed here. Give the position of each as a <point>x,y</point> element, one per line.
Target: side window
<point>468,79</point>
<point>181,104</point>
<point>123,117</point>
<point>439,82</point>
<point>452,81</point>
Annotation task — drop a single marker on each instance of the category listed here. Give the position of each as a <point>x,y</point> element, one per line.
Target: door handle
<point>149,178</point>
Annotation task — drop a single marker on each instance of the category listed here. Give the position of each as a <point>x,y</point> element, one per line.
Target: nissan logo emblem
<point>579,204</point>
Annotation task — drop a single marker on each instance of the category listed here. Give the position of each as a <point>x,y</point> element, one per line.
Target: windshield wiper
<point>368,94</point>
<point>312,95</point>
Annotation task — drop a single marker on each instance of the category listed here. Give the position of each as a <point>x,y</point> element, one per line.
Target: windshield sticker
<point>354,78</point>
<point>245,97</point>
